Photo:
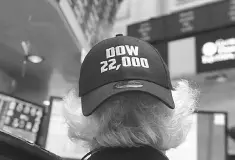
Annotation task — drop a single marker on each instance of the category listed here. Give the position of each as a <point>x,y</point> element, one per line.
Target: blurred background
<point>43,43</point>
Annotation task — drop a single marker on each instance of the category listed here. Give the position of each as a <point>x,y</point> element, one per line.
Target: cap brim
<point>92,100</point>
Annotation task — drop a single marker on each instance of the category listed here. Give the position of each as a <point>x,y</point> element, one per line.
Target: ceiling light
<point>34,58</point>
<point>46,103</point>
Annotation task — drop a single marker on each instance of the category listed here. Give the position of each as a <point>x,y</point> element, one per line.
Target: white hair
<point>133,118</point>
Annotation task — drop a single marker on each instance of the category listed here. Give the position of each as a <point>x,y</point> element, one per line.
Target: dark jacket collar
<point>135,153</point>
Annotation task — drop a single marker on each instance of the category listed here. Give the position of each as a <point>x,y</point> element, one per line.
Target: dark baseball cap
<point>122,64</point>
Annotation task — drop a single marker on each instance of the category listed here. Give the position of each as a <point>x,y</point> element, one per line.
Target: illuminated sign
<point>150,30</point>
<point>144,29</point>
<point>20,118</point>
<point>216,50</point>
<point>186,22</point>
<point>220,50</point>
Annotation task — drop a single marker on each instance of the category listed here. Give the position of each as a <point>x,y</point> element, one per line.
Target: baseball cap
<point>122,64</point>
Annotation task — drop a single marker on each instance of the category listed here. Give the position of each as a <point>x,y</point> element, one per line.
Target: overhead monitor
<point>20,118</point>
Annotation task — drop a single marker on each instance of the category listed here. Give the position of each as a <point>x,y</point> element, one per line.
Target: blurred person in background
<point>129,109</point>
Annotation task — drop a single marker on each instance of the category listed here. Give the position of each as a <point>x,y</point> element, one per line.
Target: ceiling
<point>40,23</point>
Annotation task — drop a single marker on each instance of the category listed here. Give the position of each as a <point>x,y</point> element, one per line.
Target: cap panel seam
<point>166,74</point>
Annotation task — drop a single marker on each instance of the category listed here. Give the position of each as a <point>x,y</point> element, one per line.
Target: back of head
<point>132,118</point>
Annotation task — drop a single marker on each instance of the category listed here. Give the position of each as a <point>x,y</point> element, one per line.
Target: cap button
<point>117,35</point>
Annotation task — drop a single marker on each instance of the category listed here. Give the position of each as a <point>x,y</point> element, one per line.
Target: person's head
<point>127,98</point>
